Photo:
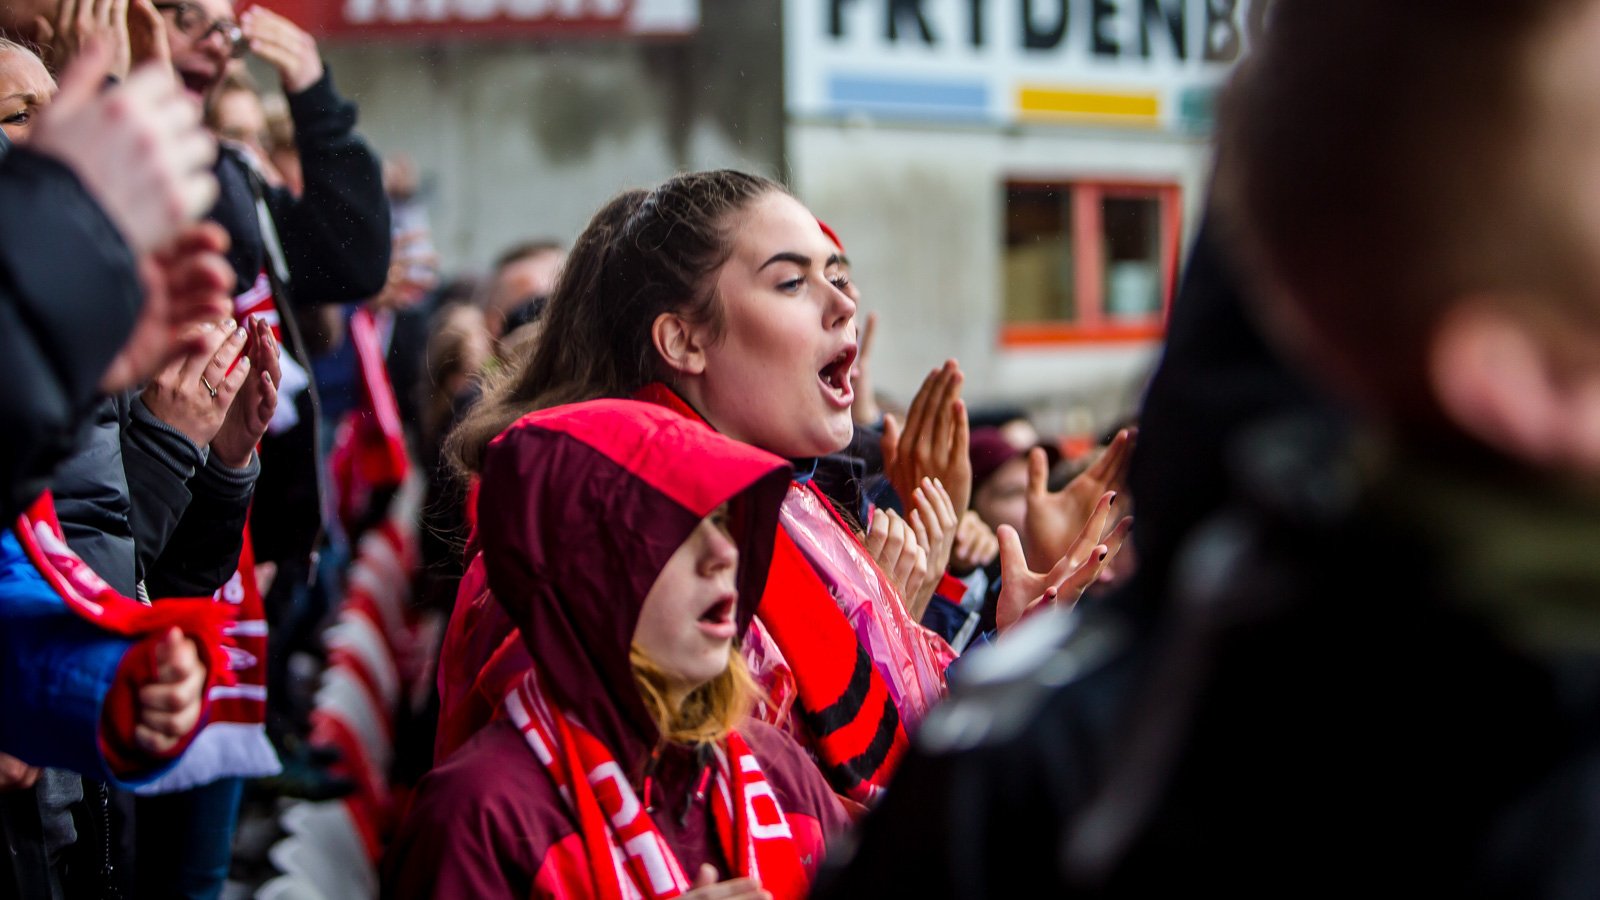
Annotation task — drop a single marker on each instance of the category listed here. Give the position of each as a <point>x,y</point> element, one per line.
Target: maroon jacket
<point>580,509</point>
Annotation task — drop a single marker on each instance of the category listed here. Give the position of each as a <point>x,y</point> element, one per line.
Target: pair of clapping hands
<point>1072,534</point>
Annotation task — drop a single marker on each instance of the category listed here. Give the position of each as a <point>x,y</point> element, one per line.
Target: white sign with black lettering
<point>1134,63</point>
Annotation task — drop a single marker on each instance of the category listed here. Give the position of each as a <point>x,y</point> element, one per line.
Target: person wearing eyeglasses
<point>334,238</point>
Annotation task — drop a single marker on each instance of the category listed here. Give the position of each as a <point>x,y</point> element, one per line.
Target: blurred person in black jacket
<point>1377,665</point>
<point>113,177</point>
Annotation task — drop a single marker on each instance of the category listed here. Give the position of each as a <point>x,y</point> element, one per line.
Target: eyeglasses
<point>194,23</point>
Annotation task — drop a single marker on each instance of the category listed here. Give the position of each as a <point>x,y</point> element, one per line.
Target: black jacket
<point>1309,725</point>
<point>336,235</point>
<point>60,324</point>
<point>140,502</point>
<point>336,244</point>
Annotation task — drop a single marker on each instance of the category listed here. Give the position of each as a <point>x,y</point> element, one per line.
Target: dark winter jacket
<point>1429,724</point>
<point>580,510</point>
<point>139,502</point>
<point>335,241</point>
<point>61,322</point>
<point>335,236</point>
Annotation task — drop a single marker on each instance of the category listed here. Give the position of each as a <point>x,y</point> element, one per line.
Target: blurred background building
<point>1014,180</point>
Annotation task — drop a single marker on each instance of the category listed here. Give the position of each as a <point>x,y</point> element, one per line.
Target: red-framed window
<point>1088,261</point>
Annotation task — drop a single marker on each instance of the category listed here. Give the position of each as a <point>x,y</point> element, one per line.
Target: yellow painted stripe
<point>1040,102</point>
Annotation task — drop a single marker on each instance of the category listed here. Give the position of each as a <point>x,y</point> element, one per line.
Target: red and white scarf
<point>233,743</point>
<point>369,448</point>
<point>89,596</point>
<point>628,857</point>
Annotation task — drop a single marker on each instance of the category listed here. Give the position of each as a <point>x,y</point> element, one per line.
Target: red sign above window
<point>444,19</point>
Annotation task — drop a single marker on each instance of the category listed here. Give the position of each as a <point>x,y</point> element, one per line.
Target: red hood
<point>580,508</point>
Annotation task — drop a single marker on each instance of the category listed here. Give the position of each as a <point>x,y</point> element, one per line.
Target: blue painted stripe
<point>945,99</point>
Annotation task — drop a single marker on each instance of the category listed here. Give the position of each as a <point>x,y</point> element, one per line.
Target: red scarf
<point>233,743</point>
<point>88,595</point>
<point>369,452</point>
<point>627,854</point>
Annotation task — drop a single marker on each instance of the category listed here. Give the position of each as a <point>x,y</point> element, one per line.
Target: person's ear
<point>679,344</point>
<point>1498,381</point>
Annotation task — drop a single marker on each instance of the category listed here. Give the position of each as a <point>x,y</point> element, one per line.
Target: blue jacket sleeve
<point>55,672</point>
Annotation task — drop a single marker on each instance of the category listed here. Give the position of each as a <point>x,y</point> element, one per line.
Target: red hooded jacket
<point>580,509</point>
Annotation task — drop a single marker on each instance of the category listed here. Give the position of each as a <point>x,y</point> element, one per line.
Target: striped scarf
<point>628,857</point>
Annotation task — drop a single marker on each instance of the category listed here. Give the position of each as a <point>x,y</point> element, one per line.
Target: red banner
<point>431,20</point>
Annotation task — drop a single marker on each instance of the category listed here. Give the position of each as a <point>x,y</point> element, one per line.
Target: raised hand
<point>934,440</point>
<point>169,706</point>
<point>79,23</point>
<point>934,522</point>
<point>976,544</point>
<point>1023,590</point>
<point>893,544</point>
<point>707,887</point>
<point>194,392</point>
<point>184,285</point>
<point>1054,519</point>
<point>285,46</point>
<point>147,35</point>
<point>138,149</point>
<point>252,409</point>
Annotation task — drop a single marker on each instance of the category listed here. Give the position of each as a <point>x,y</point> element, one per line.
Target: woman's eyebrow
<point>801,260</point>
<point>798,259</point>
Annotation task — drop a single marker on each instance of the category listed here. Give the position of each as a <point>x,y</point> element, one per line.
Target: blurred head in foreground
<point>1416,188</point>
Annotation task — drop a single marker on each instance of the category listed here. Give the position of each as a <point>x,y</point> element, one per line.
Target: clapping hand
<point>976,544</point>
<point>138,148</point>
<point>1023,590</point>
<point>257,400</point>
<point>1054,519</point>
<point>934,440</point>
<point>193,393</point>
<point>893,544</point>
<point>934,522</point>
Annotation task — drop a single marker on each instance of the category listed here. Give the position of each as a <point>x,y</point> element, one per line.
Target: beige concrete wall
<point>525,140</point>
<point>921,213</point>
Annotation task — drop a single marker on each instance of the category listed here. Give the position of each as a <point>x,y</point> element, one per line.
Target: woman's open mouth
<point>835,377</point>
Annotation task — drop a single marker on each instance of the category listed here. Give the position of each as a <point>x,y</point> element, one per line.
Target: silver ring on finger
<point>207,383</point>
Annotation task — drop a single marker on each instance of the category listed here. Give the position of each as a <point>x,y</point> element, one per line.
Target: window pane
<point>1038,255</point>
<point>1133,257</point>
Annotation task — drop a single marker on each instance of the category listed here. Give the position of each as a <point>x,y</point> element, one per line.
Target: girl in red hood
<point>624,764</point>
<point>719,295</point>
